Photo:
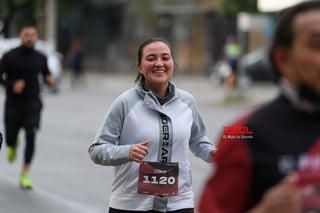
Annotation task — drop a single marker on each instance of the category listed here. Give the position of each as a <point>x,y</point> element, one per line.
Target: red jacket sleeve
<point>227,191</point>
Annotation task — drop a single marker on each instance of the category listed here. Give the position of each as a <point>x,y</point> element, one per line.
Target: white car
<point>257,66</point>
<point>54,58</point>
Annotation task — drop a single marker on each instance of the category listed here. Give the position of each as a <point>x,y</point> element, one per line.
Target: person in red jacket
<point>269,160</point>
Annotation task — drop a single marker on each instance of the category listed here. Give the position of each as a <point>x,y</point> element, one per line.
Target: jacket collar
<point>151,99</point>
<point>293,95</point>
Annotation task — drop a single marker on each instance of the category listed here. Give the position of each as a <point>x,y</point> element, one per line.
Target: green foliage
<point>98,3</point>
<point>14,13</point>
<point>233,7</point>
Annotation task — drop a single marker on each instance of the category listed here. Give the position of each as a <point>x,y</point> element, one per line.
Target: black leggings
<point>112,210</point>
<point>23,115</point>
<point>30,135</point>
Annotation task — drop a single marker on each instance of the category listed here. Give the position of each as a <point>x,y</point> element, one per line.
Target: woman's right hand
<point>138,151</point>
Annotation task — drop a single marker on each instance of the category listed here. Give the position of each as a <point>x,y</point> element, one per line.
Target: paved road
<point>65,180</point>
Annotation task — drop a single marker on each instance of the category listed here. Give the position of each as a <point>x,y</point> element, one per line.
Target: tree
<point>233,7</point>
<point>14,13</point>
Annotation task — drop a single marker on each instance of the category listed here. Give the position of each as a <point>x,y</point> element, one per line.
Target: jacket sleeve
<point>4,62</point>
<point>46,70</point>
<point>105,149</point>
<point>227,190</point>
<point>199,143</point>
<point>45,67</point>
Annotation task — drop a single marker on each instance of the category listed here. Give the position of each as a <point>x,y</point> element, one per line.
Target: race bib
<point>157,178</point>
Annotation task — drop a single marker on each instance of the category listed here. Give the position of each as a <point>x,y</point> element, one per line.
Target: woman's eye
<point>150,59</point>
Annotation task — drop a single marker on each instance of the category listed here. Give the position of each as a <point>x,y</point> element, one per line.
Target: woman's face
<point>156,65</point>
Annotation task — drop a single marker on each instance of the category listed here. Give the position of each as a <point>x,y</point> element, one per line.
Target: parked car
<point>256,65</point>
<point>54,58</point>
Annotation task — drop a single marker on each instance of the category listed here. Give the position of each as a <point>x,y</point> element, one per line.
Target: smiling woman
<point>146,135</point>
<point>156,66</point>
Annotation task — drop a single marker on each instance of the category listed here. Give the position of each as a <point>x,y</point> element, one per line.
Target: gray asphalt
<point>65,180</point>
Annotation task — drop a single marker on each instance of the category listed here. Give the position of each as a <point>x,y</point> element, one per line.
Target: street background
<point>65,179</point>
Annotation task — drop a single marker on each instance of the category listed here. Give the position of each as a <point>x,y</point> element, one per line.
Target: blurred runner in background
<point>19,73</point>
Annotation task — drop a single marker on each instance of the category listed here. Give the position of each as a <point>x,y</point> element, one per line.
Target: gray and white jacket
<point>134,117</point>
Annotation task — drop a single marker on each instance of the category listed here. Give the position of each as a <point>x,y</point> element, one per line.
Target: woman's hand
<point>138,151</point>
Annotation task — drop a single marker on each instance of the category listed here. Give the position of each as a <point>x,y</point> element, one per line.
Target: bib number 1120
<point>162,180</point>
<point>157,178</point>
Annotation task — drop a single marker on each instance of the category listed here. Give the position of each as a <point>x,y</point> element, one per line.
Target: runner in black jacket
<point>19,73</point>
<point>269,161</point>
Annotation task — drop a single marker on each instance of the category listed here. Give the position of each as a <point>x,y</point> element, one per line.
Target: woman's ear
<point>139,68</point>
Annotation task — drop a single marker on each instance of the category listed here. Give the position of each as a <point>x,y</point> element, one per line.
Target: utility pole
<point>51,23</point>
